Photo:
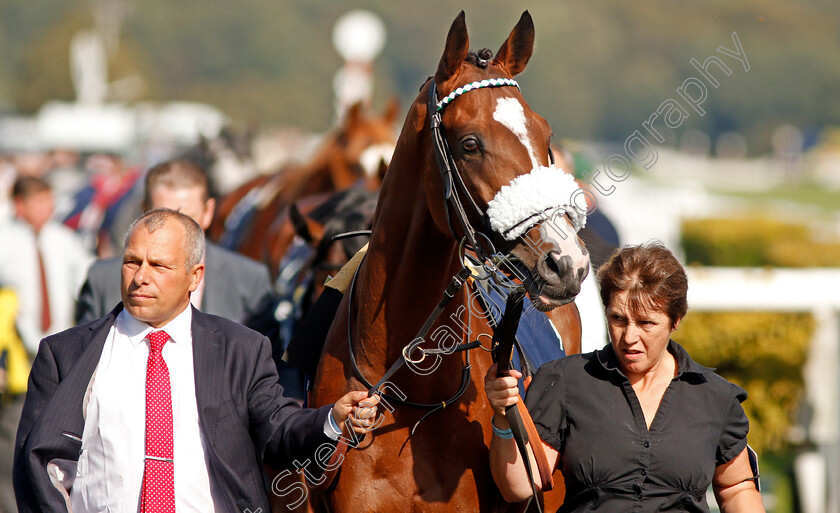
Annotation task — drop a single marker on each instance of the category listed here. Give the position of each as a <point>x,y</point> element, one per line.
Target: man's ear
<point>196,275</point>
<point>18,206</point>
<point>209,211</point>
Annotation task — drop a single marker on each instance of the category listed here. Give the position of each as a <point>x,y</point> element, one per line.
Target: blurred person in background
<point>43,263</point>
<point>7,180</point>
<point>601,240</point>
<point>31,163</point>
<point>66,177</point>
<point>234,286</point>
<point>110,181</point>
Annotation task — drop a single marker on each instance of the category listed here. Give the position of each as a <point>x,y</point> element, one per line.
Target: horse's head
<point>363,143</point>
<point>227,158</point>
<point>494,167</point>
<point>347,215</point>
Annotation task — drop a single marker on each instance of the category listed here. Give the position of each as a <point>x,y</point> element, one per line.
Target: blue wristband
<point>505,434</point>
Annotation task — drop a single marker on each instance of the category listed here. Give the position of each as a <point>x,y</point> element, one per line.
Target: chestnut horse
<point>429,449</point>
<point>349,154</point>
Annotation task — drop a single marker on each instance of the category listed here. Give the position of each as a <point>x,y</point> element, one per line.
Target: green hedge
<point>755,242</point>
<point>762,352</point>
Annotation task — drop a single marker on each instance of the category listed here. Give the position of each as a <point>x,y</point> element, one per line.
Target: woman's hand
<point>501,392</point>
<point>359,408</point>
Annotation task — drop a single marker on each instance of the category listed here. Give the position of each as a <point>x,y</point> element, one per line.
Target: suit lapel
<point>73,388</point>
<point>208,361</point>
<point>53,439</point>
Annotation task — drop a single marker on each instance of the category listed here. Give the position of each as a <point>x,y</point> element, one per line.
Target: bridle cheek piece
<point>453,183</point>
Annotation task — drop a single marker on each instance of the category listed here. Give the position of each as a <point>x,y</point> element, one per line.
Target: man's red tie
<point>159,477</point>
<point>45,295</point>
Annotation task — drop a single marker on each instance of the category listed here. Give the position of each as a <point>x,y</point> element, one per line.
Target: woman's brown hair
<point>651,274</point>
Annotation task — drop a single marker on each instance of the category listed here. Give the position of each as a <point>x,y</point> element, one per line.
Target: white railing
<point>793,290</point>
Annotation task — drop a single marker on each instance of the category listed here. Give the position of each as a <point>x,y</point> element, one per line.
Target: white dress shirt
<point>109,475</point>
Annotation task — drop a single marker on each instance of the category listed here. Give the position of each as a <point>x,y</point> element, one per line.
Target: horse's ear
<point>203,143</point>
<point>354,114</point>
<point>391,110</point>
<point>299,222</point>
<point>457,47</point>
<point>383,168</point>
<point>518,47</point>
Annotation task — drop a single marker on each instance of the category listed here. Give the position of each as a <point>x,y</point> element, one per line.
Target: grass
<point>803,193</point>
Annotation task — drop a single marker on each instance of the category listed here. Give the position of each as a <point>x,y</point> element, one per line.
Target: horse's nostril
<point>557,263</point>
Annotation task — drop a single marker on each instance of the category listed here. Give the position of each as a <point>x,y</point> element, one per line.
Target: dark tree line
<point>600,68</point>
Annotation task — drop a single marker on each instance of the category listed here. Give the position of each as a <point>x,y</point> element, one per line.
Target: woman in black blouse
<point>637,426</point>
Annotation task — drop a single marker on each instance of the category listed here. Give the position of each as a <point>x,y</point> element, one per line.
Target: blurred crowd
<point>63,217</point>
<point>58,212</point>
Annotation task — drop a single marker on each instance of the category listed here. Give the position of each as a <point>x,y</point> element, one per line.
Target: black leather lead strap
<point>505,333</point>
<point>503,338</point>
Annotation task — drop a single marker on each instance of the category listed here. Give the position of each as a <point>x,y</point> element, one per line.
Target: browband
<point>478,84</point>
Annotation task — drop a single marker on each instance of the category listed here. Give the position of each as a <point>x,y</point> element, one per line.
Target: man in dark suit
<point>234,287</point>
<point>108,400</point>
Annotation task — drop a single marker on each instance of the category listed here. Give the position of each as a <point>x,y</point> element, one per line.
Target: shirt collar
<point>179,329</point>
<point>685,364</point>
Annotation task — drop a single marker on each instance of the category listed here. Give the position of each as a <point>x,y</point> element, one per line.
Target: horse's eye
<point>470,144</point>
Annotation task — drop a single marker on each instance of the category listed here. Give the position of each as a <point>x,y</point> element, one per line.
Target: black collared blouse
<point>586,409</point>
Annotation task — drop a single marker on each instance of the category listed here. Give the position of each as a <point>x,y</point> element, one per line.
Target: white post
<point>358,36</point>
<point>817,474</point>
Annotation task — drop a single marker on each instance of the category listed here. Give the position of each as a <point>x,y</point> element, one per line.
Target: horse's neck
<point>326,172</point>
<point>407,268</point>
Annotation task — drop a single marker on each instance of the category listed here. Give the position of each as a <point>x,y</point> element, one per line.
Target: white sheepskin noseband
<point>532,198</point>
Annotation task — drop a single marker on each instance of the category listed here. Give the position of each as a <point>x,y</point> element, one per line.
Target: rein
<point>521,424</point>
<point>405,356</point>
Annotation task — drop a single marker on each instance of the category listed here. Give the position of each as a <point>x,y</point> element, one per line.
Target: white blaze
<point>510,113</point>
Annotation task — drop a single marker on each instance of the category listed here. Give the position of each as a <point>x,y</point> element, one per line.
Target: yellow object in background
<point>17,361</point>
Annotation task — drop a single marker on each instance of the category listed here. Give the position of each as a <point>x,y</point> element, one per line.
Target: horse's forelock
<point>480,58</point>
